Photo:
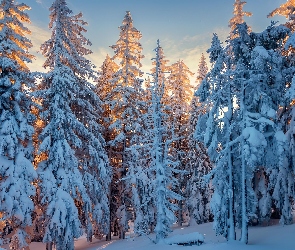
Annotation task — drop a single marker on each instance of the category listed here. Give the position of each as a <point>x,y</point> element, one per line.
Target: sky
<point>184,27</point>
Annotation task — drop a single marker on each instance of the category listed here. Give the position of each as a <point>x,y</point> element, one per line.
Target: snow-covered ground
<point>273,237</point>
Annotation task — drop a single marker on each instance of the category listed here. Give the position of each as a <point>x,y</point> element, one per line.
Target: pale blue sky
<point>184,27</point>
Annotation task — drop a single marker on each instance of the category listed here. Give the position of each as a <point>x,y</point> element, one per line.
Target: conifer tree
<point>280,176</point>
<point>16,170</point>
<point>104,89</point>
<point>181,93</point>
<point>163,164</point>
<point>198,164</point>
<point>216,94</point>
<point>126,102</point>
<point>74,179</point>
<point>249,74</point>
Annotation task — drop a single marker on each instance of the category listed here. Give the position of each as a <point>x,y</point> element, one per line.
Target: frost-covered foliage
<point>127,105</point>
<point>244,89</point>
<point>163,164</point>
<point>103,89</point>
<point>198,191</point>
<point>151,178</point>
<point>74,179</point>
<point>16,170</point>
<point>181,93</point>
<point>140,175</point>
<point>139,184</point>
<point>215,94</point>
<point>269,69</point>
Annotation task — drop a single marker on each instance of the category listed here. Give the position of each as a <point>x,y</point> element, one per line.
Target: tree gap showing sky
<point>184,27</point>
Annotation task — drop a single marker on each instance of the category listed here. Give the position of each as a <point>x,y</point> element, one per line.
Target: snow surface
<point>271,237</point>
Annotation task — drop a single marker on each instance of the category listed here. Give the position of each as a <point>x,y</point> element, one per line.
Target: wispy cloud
<point>98,55</point>
<point>189,49</point>
<point>38,36</point>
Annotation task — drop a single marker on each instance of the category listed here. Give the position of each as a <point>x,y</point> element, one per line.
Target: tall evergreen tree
<point>181,93</point>
<point>74,179</point>
<point>282,182</point>
<point>198,192</point>
<point>16,170</point>
<point>215,92</point>
<point>163,164</point>
<point>251,77</point>
<point>103,89</point>
<point>127,104</point>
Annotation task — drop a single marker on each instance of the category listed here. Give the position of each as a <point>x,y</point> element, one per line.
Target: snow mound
<point>190,239</point>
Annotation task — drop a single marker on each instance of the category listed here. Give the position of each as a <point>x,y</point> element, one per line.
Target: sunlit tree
<point>181,93</point>
<point>126,102</point>
<point>198,191</point>
<point>238,17</point>
<point>16,170</point>
<point>74,179</point>
<point>287,10</point>
<point>103,89</point>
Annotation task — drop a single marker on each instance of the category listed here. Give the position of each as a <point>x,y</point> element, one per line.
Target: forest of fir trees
<point>81,158</point>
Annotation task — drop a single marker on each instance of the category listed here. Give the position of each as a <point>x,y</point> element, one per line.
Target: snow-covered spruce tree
<point>126,102</point>
<point>263,94</point>
<point>16,170</point>
<point>139,174</point>
<point>238,17</point>
<point>251,141</point>
<point>216,93</point>
<point>138,181</point>
<point>74,179</point>
<point>103,89</point>
<point>287,110</point>
<point>284,187</point>
<point>282,174</point>
<point>254,70</point>
<point>198,192</point>
<point>181,93</point>
<point>163,164</point>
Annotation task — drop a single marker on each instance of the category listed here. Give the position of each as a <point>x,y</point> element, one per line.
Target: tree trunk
<point>49,246</point>
<point>109,234</point>
<point>231,224</point>
<point>231,219</point>
<point>244,232</point>
<point>122,233</point>
<point>180,211</point>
